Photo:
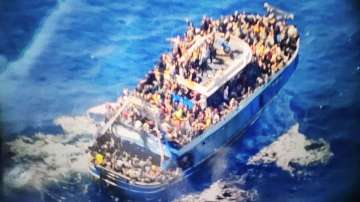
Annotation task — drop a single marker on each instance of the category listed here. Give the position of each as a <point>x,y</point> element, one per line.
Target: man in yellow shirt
<point>99,159</point>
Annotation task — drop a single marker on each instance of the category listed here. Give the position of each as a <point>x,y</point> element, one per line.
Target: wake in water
<point>230,189</point>
<point>48,158</point>
<point>222,190</point>
<point>21,66</point>
<point>291,149</point>
<point>289,152</point>
<point>60,160</point>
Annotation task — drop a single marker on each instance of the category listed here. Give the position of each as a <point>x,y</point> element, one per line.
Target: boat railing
<point>116,176</point>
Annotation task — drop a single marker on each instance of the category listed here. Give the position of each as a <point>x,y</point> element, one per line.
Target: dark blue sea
<point>59,58</point>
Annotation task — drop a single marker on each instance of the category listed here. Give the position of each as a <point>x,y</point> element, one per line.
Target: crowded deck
<point>208,73</point>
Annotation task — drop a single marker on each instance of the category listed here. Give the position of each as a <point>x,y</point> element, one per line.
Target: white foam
<point>46,158</point>
<point>102,51</point>
<point>219,164</point>
<point>76,125</point>
<point>221,191</point>
<point>229,188</point>
<point>291,148</point>
<point>41,38</point>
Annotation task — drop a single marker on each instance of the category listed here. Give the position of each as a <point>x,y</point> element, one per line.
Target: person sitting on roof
<point>224,42</point>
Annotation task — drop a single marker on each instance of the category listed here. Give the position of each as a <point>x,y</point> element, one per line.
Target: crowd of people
<point>273,42</point>
<point>108,152</point>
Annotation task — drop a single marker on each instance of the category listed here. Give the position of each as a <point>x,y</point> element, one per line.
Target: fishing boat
<point>164,160</point>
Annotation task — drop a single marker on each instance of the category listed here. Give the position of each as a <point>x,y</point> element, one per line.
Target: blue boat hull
<point>204,147</point>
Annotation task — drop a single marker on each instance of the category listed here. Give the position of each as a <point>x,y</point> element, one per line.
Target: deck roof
<point>218,74</point>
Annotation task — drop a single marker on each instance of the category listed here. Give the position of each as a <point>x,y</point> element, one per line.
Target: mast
<point>112,120</point>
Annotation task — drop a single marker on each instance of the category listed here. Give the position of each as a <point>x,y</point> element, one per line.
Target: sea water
<point>59,58</point>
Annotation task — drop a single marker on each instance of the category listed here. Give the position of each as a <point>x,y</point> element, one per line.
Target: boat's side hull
<point>124,185</point>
